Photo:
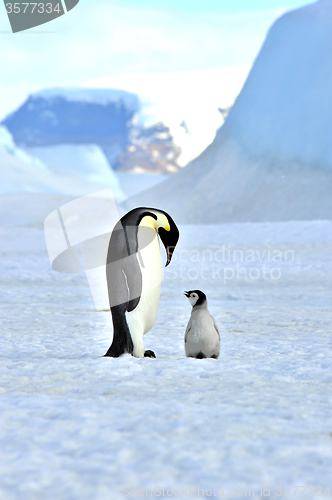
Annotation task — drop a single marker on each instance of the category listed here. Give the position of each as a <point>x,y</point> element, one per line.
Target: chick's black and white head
<point>196,297</point>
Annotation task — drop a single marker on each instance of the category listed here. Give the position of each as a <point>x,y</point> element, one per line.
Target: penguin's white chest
<point>203,326</point>
<point>142,318</point>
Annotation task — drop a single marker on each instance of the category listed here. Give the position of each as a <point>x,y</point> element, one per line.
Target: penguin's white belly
<point>202,337</point>
<point>142,318</point>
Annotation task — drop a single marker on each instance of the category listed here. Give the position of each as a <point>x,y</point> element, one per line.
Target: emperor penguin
<point>202,339</point>
<point>134,274</point>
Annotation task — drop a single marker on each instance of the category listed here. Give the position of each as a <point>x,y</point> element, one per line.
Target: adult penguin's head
<point>168,232</point>
<point>152,219</point>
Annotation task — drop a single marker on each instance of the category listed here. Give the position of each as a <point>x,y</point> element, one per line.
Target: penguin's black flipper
<point>133,279</point>
<point>149,354</point>
<point>124,277</point>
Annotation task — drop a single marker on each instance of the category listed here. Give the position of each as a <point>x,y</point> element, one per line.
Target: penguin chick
<point>202,339</point>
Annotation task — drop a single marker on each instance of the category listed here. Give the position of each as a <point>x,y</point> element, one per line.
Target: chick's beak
<point>187,294</point>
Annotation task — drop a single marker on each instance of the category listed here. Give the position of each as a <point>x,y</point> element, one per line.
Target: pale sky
<point>100,39</point>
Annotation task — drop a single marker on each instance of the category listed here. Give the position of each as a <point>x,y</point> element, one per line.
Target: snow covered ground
<point>79,426</point>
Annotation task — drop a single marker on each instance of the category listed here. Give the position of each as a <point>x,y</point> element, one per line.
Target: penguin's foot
<point>149,354</point>
<point>113,352</point>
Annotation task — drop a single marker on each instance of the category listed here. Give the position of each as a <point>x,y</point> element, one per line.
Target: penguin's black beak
<point>169,252</point>
<point>187,294</point>
<point>169,239</point>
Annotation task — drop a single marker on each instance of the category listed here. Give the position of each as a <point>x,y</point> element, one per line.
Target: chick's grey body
<point>202,338</point>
